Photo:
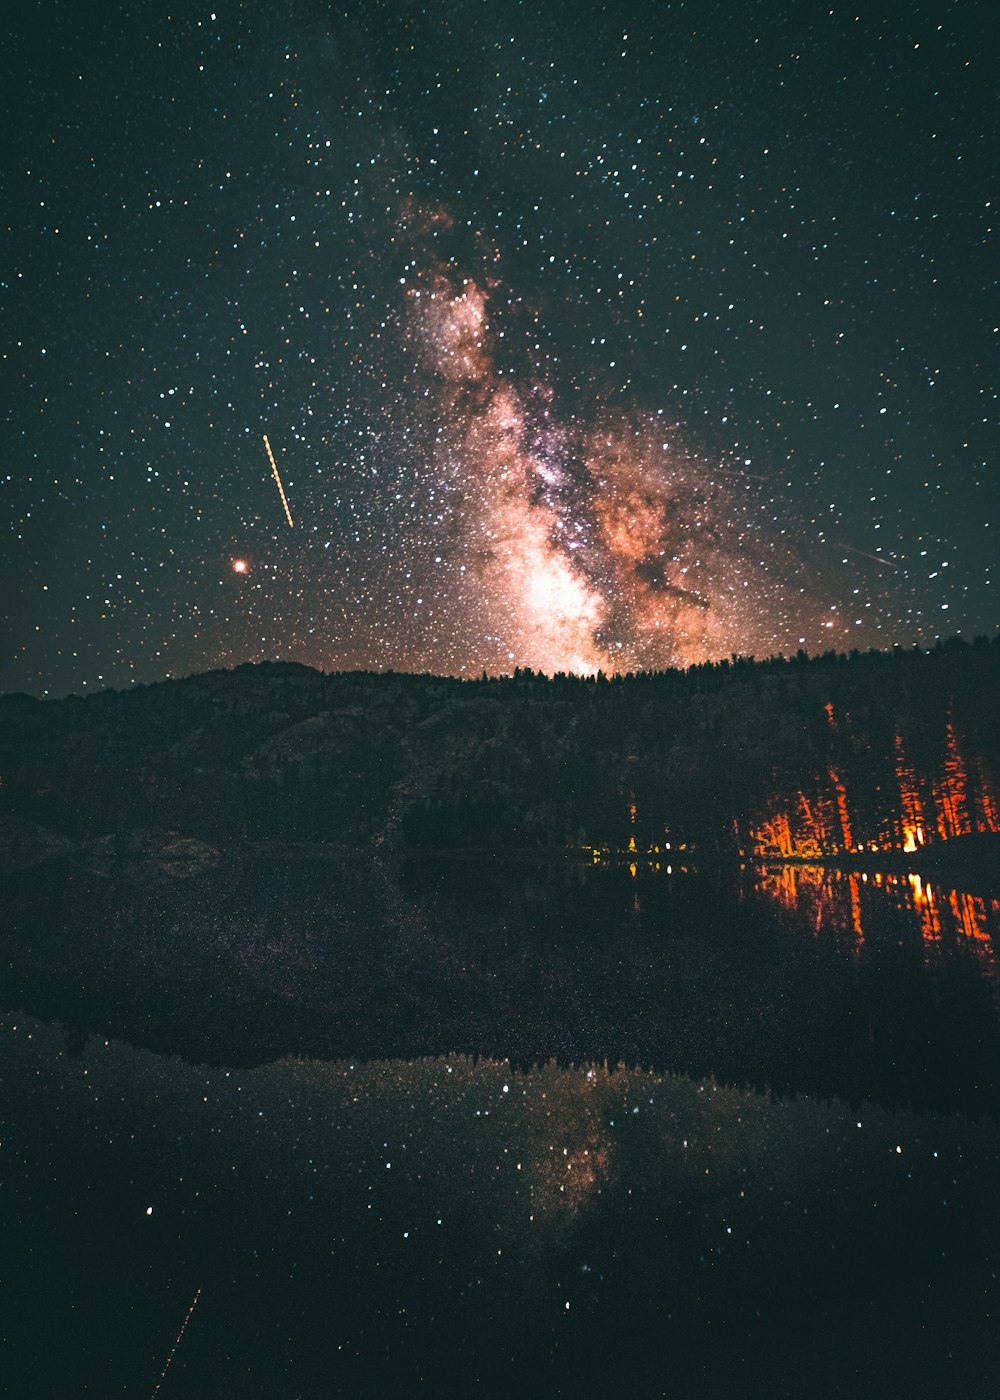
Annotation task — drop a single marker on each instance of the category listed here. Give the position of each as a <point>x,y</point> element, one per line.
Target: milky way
<point>612,341</point>
<point>570,545</point>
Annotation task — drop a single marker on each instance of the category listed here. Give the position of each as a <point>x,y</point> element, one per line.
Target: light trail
<point>875,558</point>
<point>274,468</point>
<point>173,1349</point>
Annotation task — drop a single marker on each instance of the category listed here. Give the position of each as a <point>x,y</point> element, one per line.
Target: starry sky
<point>614,336</point>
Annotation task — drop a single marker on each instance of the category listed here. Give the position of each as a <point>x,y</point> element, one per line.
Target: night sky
<point>614,336</point>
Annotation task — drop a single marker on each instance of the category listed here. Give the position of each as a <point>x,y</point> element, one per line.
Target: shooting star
<point>875,558</point>
<point>176,1344</point>
<point>274,468</point>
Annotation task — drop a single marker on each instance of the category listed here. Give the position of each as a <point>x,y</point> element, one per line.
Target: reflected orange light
<point>970,915</point>
<point>925,904</point>
<point>856,909</point>
<point>829,901</point>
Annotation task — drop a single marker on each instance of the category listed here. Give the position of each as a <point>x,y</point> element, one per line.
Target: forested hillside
<point>798,756</point>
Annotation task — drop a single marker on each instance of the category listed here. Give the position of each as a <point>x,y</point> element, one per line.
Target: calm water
<point>789,980</point>
<point>496,1129</point>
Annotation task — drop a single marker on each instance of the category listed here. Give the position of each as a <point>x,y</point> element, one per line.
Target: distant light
<point>240,566</point>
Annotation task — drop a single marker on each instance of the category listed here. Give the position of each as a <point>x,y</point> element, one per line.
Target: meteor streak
<point>875,558</point>
<point>176,1344</point>
<point>274,468</point>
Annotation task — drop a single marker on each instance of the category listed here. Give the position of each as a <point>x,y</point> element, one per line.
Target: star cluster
<point>617,342</point>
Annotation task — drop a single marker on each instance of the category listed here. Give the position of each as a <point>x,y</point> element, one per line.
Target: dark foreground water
<point>482,1129</point>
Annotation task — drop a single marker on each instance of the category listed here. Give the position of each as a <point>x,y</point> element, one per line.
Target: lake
<point>486,1128</point>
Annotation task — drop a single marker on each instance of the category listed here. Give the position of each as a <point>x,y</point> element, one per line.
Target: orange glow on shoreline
<point>849,811</point>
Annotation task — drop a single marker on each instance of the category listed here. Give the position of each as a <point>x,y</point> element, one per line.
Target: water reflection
<point>451,1227</point>
<point>789,978</point>
<point>950,922</point>
<point>458,1175</point>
